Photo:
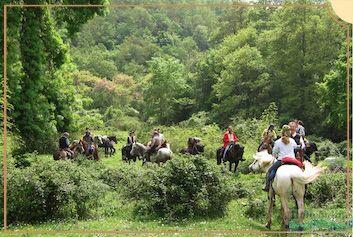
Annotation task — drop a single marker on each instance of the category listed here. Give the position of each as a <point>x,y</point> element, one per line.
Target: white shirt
<point>281,150</point>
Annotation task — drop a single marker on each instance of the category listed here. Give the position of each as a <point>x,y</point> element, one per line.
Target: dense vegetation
<point>162,66</point>
<point>188,71</point>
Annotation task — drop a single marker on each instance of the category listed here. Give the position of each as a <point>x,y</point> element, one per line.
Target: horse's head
<point>310,148</point>
<point>262,161</point>
<point>200,147</point>
<point>237,150</point>
<point>136,149</point>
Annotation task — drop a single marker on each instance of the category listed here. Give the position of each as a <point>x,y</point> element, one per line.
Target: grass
<point>118,214</point>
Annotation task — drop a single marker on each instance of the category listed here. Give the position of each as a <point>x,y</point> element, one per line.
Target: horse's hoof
<point>268,226</point>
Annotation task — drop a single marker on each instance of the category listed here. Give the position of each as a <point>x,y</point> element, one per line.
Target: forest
<point>128,67</point>
<point>191,71</point>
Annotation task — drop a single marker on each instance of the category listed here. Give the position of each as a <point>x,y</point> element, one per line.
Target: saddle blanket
<point>292,161</point>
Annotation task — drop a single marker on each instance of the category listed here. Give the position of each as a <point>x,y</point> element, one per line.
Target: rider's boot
<point>267,186</point>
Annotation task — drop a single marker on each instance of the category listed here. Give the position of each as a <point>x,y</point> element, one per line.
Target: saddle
<point>292,161</point>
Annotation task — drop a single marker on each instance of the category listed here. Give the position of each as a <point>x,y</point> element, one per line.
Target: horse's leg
<point>106,151</point>
<point>271,196</point>
<point>236,166</point>
<point>230,166</point>
<point>298,193</point>
<point>286,211</point>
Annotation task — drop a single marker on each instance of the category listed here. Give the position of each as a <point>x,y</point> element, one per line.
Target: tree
<point>165,89</point>
<point>333,100</point>
<point>39,61</point>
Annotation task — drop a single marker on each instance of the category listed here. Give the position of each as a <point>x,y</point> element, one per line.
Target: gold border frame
<point>342,24</point>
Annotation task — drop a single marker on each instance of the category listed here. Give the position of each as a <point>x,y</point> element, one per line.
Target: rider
<point>268,134</point>
<point>284,147</point>
<point>293,134</point>
<point>228,138</point>
<point>131,138</point>
<point>156,143</point>
<point>301,129</point>
<point>89,139</point>
<point>64,143</point>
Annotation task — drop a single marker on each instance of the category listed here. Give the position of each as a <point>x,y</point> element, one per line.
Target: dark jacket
<point>296,139</point>
<point>64,142</point>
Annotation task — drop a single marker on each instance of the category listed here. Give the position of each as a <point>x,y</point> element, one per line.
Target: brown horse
<point>75,147</point>
<point>90,155</point>
<point>266,144</point>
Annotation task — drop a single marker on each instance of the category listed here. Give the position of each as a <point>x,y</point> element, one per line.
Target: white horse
<point>163,154</point>
<point>289,179</point>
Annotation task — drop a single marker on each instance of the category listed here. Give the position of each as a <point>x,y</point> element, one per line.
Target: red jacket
<point>226,139</point>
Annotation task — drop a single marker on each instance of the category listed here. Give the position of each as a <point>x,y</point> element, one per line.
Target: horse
<point>234,155</point>
<point>163,154</point>
<point>193,150</point>
<point>92,156</point>
<point>310,148</point>
<point>266,144</point>
<point>61,154</point>
<point>289,179</point>
<point>107,142</point>
<point>125,153</point>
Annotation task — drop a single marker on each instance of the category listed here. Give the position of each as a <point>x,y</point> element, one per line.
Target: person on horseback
<point>156,143</point>
<point>301,129</point>
<point>293,134</point>
<point>229,137</point>
<point>89,139</point>
<point>268,136</point>
<point>283,147</point>
<point>64,144</point>
<point>131,138</point>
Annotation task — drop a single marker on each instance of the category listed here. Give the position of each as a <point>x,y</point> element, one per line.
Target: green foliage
<point>165,90</point>
<point>256,208</point>
<point>185,187</point>
<point>53,190</point>
<point>334,98</point>
<point>329,188</point>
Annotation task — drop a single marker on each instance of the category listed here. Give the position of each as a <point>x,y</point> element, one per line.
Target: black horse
<point>234,155</point>
<point>125,153</point>
<point>310,148</point>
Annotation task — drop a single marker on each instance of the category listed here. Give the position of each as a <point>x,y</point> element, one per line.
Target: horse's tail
<point>310,174</point>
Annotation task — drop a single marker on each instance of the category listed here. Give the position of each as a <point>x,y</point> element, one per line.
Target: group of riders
<point>289,148</point>
<point>64,143</point>
<point>290,145</point>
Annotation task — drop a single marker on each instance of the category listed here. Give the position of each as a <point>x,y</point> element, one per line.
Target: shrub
<point>327,148</point>
<point>342,147</point>
<point>255,208</point>
<point>52,190</point>
<point>184,187</point>
<point>330,187</point>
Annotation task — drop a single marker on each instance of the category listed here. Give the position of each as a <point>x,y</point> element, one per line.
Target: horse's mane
<point>263,156</point>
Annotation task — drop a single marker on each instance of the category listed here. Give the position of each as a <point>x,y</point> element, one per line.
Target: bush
<point>184,187</point>
<point>52,190</point>
<point>330,187</point>
<point>342,147</point>
<point>255,208</point>
<point>326,148</point>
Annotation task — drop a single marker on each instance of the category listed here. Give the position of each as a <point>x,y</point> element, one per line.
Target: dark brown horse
<point>92,155</point>
<point>234,155</point>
